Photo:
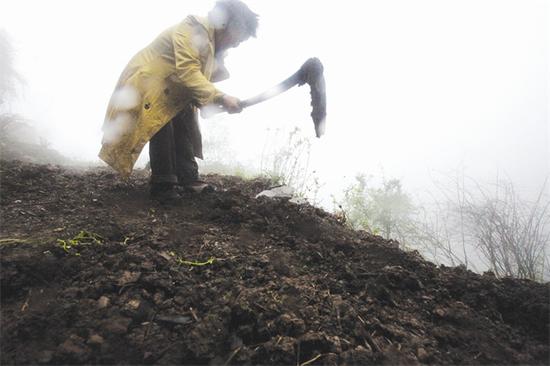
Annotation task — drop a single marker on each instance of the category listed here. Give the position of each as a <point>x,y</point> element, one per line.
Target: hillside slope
<point>225,278</point>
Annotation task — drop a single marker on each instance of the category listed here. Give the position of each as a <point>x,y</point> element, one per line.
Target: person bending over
<point>159,91</point>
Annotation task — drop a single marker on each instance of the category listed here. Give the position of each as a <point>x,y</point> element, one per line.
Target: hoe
<point>310,73</point>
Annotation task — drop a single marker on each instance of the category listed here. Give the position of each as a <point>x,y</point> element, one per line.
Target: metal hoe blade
<point>310,73</point>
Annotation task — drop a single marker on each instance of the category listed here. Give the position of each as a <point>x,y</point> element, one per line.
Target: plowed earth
<point>225,278</point>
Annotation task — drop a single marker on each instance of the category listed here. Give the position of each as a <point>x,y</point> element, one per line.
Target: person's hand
<point>231,104</point>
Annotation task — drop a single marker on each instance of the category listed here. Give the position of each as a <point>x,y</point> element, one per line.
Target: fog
<point>414,88</point>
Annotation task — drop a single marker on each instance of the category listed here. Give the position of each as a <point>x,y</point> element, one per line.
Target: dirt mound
<point>93,272</point>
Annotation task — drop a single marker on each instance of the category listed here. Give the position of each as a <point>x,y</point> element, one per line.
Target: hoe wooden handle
<point>214,109</point>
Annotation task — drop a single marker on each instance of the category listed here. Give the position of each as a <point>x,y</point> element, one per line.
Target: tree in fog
<point>8,76</point>
<point>19,138</point>
<point>10,124</point>
<point>384,210</point>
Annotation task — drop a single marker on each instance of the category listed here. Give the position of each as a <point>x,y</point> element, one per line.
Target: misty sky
<point>413,86</point>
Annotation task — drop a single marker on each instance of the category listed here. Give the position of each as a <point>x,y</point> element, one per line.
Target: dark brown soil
<point>279,283</point>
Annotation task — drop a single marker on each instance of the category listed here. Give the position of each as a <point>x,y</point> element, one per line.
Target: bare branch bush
<point>512,234</point>
<point>495,228</point>
<point>434,239</point>
<point>288,163</point>
<point>440,231</point>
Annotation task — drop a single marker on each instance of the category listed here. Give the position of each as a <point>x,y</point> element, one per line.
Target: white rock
<point>280,192</point>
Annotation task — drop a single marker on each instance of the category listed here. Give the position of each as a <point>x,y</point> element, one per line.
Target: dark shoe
<point>198,186</point>
<point>164,192</point>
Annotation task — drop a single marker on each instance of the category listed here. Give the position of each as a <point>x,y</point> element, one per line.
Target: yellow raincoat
<point>172,73</point>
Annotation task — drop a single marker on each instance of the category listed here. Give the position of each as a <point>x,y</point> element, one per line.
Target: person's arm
<point>187,41</point>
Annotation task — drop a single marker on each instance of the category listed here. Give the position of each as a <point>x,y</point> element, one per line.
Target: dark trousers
<point>171,152</point>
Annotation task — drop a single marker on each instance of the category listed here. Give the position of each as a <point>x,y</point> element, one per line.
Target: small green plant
<point>83,238</point>
<point>181,261</point>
